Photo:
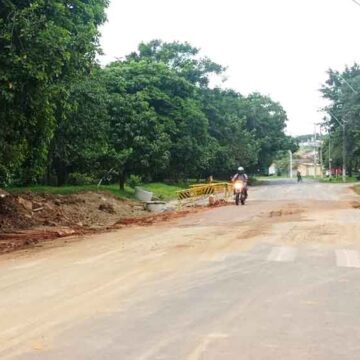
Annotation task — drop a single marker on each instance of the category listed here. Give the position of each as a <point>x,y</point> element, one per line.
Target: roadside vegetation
<point>163,191</point>
<point>342,91</point>
<point>339,180</point>
<point>160,190</point>
<point>67,121</point>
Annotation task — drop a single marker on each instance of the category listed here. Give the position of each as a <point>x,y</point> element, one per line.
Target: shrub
<point>134,181</point>
<point>80,179</point>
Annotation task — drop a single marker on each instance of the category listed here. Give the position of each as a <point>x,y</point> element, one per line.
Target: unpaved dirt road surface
<point>276,279</point>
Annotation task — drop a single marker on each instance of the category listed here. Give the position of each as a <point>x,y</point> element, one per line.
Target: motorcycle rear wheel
<point>242,199</point>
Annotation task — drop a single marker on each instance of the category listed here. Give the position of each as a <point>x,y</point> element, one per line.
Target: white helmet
<point>240,168</point>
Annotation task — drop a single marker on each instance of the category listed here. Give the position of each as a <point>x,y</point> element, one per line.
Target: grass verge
<point>339,180</point>
<point>161,191</point>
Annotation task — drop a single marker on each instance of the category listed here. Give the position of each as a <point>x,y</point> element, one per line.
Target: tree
<point>43,46</point>
<point>233,143</point>
<point>80,140</point>
<point>142,94</point>
<point>267,120</point>
<point>343,91</point>
<point>181,57</point>
<point>166,122</point>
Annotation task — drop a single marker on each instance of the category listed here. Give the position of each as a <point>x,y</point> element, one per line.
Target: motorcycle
<point>240,192</point>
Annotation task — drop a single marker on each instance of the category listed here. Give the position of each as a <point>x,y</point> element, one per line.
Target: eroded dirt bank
<point>30,219</point>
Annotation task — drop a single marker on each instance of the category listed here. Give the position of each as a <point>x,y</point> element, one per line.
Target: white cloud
<point>281,48</point>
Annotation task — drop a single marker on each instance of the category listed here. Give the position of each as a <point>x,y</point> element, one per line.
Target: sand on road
<point>49,297</point>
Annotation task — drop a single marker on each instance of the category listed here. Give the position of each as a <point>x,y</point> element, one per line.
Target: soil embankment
<point>27,219</point>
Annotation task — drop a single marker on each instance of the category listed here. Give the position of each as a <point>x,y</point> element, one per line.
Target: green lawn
<point>160,190</point>
<point>339,180</point>
<point>334,180</point>
<point>164,191</point>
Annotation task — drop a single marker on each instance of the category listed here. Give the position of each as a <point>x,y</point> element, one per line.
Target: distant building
<point>272,169</point>
<point>308,169</point>
<point>311,143</point>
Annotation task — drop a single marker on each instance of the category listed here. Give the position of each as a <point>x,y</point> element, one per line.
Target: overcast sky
<point>281,48</point>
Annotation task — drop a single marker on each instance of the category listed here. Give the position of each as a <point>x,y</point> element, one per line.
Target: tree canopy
<point>153,114</point>
<point>44,47</point>
<point>342,90</point>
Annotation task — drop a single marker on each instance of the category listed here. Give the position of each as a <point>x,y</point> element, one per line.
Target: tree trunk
<point>122,180</point>
<point>61,172</point>
<point>350,168</point>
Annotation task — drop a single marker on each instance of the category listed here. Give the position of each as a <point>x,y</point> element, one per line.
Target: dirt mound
<point>28,218</point>
<point>13,214</point>
<point>84,210</point>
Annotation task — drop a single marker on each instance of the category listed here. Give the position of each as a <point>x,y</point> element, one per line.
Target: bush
<point>134,181</point>
<point>252,181</point>
<point>80,179</point>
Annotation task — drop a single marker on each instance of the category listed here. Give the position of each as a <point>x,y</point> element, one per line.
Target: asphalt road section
<point>276,279</point>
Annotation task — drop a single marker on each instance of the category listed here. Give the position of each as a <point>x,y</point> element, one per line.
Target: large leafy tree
<point>233,144</point>
<point>44,45</point>
<point>142,95</point>
<point>181,57</point>
<point>192,149</point>
<point>166,122</point>
<point>342,89</point>
<point>80,141</point>
<point>266,119</point>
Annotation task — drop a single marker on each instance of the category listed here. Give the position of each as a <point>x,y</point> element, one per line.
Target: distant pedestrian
<point>299,177</point>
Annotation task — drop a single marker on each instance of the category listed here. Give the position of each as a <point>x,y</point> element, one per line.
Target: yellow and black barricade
<point>200,190</point>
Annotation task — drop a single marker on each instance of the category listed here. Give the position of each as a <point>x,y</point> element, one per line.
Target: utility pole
<point>321,154</point>
<point>315,150</point>
<point>330,167</point>
<point>348,84</point>
<point>291,165</point>
<point>344,152</point>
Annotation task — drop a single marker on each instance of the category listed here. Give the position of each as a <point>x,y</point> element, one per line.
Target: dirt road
<point>277,279</point>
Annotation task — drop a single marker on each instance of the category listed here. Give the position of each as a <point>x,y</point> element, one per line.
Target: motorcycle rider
<point>241,176</point>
